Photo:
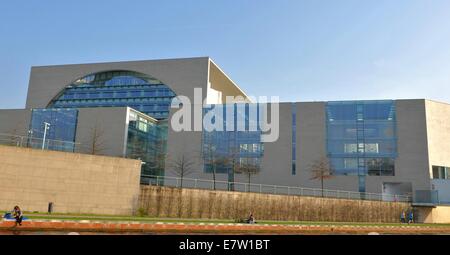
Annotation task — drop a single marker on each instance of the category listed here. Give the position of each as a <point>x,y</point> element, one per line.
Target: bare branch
<point>97,143</point>
<point>321,169</point>
<point>182,165</point>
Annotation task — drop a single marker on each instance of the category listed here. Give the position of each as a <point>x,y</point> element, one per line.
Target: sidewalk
<point>214,228</point>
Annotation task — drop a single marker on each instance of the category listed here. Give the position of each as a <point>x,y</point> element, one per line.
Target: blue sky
<point>299,50</point>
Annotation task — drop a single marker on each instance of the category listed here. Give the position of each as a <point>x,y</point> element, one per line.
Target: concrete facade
<point>411,166</point>
<point>438,133</point>
<point>15,121</point>
<point>438,214</point>
<point>423,127</point>
<point>181,75</point>
<point>411,163</point>
<point>443,186</point>
<point>75,183</point>
<point>102,131</point>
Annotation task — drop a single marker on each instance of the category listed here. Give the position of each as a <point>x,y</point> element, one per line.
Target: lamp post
<point>30,138</point>
<point>46,127</point>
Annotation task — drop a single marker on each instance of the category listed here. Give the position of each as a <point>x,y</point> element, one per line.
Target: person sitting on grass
<point>251,219</point>
<point>17,213</point>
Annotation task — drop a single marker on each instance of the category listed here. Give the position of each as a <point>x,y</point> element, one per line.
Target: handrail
<point>171,181</point>
<point>35,142</point>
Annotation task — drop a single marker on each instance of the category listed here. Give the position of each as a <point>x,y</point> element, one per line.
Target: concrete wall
<point>181,75</point>
<point>411,165</point>
<point>75,183</point>
<point>191,203</point>
<point>439,214</point>
<point>438,131</point>
<point>105,129</point>
<point>187,144</point>
<point>443,188</point>
<point>221,82</point>
<point>15,122</point>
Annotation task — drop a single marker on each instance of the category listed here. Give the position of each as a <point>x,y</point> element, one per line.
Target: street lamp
<point>30,138</point>
<point>46,127</point>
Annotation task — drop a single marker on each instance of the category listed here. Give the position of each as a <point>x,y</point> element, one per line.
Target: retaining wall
<point>156,201</point>
<point>75,183</point>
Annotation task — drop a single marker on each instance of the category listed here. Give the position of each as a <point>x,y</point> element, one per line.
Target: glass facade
<point>228,152</point>
<point>147,136</point>
<point>60,134</point>
<point>147,141</point>
<point>118,89</point>
<point>361,138</point>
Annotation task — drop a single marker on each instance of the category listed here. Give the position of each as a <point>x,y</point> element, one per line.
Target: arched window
<point>118,88</point>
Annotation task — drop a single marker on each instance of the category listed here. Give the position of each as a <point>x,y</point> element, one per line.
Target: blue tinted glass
<point>224,150</point>
<point>361,137</point>
<point>60,133</point>
<point>116,89</point>
<point>294,138</point>
<point>147,141</point>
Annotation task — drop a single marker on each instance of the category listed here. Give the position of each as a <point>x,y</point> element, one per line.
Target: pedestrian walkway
<point>218,228</point>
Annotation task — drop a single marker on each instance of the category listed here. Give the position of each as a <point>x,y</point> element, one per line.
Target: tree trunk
<point>181,181</point>
<point>321,180</point>
<point>214,176</point>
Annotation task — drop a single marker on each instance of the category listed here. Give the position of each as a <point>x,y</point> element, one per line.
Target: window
<point>115,89</point>
<point>294,139</point>
<point>60,135</point>
<point>441,172</point>
<point>147,141</point>
<point>222,150</point>
<point>380,166</point>
<point>361,137</point>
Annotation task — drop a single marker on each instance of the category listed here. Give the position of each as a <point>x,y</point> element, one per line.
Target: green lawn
<point>78,217</point>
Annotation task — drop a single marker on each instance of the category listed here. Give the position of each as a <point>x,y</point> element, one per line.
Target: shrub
<point>141,212</point>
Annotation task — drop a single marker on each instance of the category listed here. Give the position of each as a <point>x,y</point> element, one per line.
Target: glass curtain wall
<point>117,89</point>
<point>235,151</point>
<point>147,141</point>
<point>61,129</point>
<point>147,133</point>
<point>361,138</point>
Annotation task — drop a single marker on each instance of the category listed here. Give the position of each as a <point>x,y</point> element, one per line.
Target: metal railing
<point>37,143</point>
<point>268,189</point>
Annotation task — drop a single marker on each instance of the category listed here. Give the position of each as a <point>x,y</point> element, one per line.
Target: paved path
<point>215,228</point>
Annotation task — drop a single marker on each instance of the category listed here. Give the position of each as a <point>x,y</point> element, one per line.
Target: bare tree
<point>210,158</point>
<point>321,169</point>
<point>159,156</point>
<point>181,166</point>
<point>248,169</point>
<point>96,143</point>
<point>229,162</point>
<point>234,166</point>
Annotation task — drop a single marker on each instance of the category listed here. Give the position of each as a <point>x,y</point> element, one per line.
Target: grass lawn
<point>78,217</point>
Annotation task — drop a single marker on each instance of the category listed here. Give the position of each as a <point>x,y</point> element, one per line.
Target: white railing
<point>266,188</point>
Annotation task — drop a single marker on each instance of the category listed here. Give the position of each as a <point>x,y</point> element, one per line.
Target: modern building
<point>125,109</point>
